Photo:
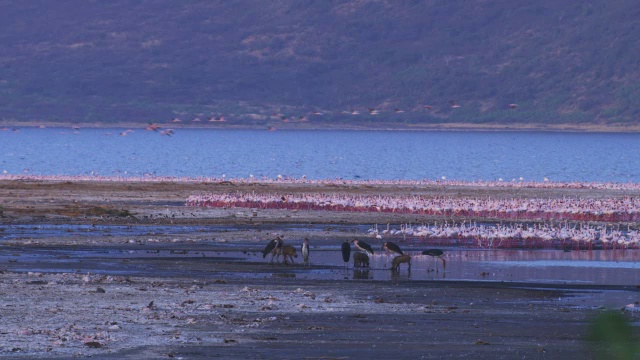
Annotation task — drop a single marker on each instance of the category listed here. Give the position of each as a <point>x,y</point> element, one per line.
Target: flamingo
<point>152,127</point>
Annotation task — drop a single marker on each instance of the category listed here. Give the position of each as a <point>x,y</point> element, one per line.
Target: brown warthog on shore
<point>289,251</point>
<point>360,260</point>
<point>395,264</point>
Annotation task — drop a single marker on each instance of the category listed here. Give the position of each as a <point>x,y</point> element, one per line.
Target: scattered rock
<point>37,282</point>
<point>187,302</point>
<point>226,306</point>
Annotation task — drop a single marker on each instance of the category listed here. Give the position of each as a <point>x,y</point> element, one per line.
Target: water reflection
<point>401,274</point>
<point>610,267</point>
<point>361,274</point>
<point>618,267</point>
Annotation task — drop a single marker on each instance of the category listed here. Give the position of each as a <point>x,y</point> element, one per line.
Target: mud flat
<point>126,270</point>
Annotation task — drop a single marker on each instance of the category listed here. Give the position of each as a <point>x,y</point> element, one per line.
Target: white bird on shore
<point>305,251</point>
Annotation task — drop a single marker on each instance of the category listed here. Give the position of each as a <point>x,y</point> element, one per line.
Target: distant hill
<point>267,63</point>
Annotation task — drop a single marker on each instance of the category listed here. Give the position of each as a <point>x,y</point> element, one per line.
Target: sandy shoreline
<point>194,308</point>
<point>365,126</point>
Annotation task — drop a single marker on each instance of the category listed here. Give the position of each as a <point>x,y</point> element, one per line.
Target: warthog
<point>395,264</point>
<point>360,260</point>
<point>289,251</point>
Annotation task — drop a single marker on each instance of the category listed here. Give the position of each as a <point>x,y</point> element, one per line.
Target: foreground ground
<point>212,307</point>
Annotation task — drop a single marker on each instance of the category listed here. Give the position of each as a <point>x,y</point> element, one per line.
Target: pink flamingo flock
<point>517,235</point>
<point>556,231</point>
<point>558,209</point>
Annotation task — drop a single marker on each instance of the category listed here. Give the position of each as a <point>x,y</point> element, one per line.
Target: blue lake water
<point>359,155</point>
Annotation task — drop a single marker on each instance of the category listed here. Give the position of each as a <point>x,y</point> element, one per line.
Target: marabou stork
<point>363,246</point>
<point>436,253</point>
<point>346,252</point>
<point>392,248</point>
<point>274,248</point>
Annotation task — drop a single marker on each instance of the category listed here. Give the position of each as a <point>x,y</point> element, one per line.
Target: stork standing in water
<point>274,247</point>
<point>346,252</point>
<point>391,248</point>
<point>305,251</point>
<point>436,253</point>
<point>363,246</point>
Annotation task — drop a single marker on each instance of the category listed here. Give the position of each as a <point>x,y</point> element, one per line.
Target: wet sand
<point>206,304</point>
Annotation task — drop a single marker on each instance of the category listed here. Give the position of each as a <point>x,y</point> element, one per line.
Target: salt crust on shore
<point>70,314</point>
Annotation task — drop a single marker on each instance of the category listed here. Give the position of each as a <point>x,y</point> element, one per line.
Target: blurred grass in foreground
<point>611,337</point>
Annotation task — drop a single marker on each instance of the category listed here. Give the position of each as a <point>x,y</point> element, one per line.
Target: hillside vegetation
<point>267,62</point>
